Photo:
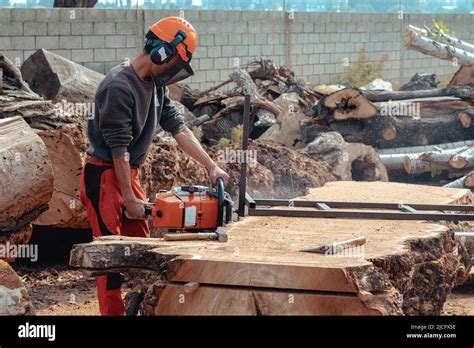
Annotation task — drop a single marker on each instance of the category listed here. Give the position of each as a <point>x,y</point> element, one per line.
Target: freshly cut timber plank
<point>26,180</point>
<point>58,78</point>
<point>264,254</point>
<point>121,252</point>
<point>172,300</point>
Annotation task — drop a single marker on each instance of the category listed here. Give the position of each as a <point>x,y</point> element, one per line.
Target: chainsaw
<point>192,208</point>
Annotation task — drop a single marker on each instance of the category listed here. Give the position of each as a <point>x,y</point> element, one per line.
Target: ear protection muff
<point>160,51</point>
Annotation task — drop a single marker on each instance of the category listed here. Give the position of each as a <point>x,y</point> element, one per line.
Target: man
<point>130,103</point>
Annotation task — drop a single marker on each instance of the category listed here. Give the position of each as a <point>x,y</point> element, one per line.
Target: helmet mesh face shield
<point>178,72</point>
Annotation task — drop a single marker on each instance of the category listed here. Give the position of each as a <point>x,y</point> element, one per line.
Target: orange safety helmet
<point>168,28</point>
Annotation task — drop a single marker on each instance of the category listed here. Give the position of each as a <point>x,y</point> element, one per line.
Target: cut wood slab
<point>263,259</point>
<point>66,147</point>
<point>173,300</point>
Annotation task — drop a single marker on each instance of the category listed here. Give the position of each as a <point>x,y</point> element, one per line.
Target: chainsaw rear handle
<point>220,201</point>
<point>148,210</point>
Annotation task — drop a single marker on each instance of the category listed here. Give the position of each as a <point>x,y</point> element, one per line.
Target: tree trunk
<point>443,37</point>
<point>63,139</point>
<point>346,104</point>
<point>455,159</point>
<point>57,78</point>
<point>466,181</point>
<point>416,41</point>
<point>26,183</point>
<point>466,92</point>
<point>74,3</point>
<point>393,159</point>
<point>416,122</point>
<point>350,161</point>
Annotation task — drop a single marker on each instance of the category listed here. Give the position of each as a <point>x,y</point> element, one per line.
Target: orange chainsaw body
<point>178,209</point>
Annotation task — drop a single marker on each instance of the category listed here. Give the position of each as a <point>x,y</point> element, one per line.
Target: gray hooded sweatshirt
<point>127,112</point>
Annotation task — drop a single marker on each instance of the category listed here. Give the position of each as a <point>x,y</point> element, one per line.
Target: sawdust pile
<point>279,172</point>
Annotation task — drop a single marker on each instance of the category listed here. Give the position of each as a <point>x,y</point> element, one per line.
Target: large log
<point>58,78</point>
<point>346,104</point>
<point>465,92</point>
<point>466,181</point>
<point>453,159</point>
<point>64,137</point>
<point>262,263</point>
<point>415,40</point>
<point>440,35</point>
<point>415,122</point>
<point>393,159</point>
<point>26,182</point>
<point>74,3</point>
<point>350,161</point>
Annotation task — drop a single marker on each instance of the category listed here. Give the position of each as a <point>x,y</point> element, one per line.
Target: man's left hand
<point>216,172</point>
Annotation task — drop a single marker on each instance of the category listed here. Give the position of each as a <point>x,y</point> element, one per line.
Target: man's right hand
<point>135,209</point>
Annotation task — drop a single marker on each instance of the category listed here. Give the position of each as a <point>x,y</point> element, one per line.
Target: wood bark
<point>346,104</point>
<point>466,181</point>
<point>417,41</point>
<point>57,78</point>
<point>350,161</point>
<point>454,159</point>
<point>414,122</point>
<point>26,183</point>
<point>464,76</point>
<point>465,92</point>
<point>74,3</point>
<point>63,140</point>
<point>437,32</point>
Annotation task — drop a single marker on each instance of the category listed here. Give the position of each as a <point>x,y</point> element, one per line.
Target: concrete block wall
<point>97,38</point>
<point>317,46</point>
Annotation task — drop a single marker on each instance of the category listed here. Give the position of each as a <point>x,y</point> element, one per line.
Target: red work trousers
<point>101,196</point>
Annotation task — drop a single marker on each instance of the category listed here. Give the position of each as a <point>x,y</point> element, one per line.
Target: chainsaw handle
<point>148,210</point>
<point>220,201</point>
